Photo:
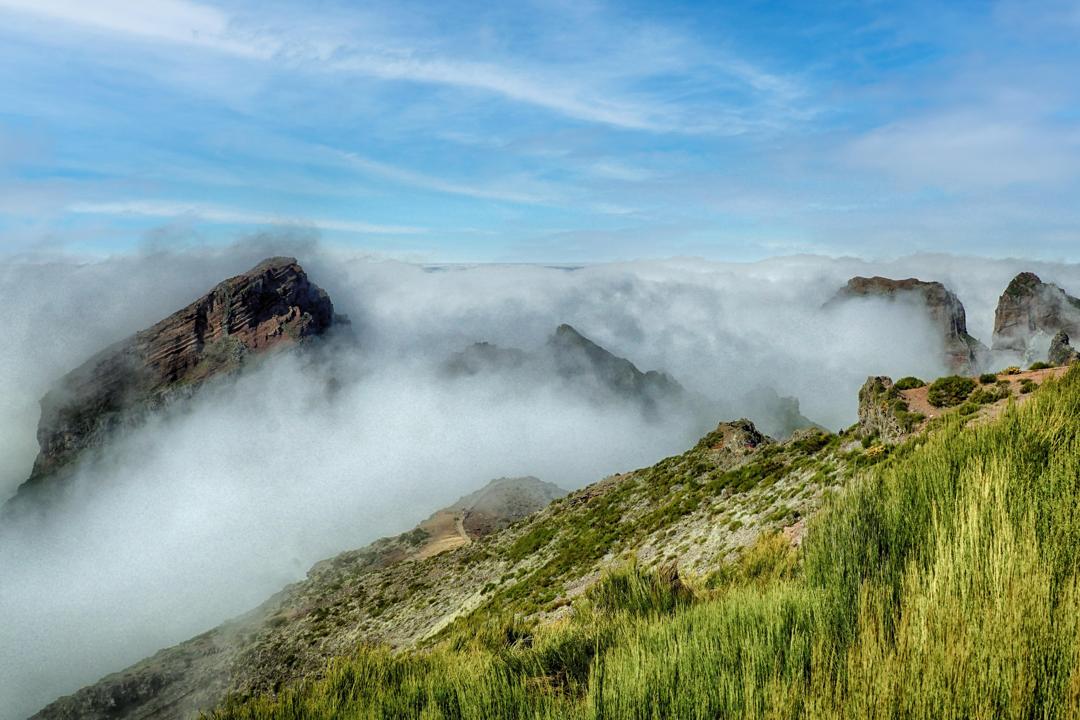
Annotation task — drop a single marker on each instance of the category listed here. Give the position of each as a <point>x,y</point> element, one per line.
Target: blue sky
<point>550,131</point>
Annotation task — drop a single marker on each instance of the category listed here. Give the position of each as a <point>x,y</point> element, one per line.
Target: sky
<point>544,130</point>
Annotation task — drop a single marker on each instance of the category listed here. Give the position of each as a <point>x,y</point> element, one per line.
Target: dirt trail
<point>918,401</point>
<point>446,531</point>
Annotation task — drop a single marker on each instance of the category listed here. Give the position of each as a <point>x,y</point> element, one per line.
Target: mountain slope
<point>698,508</point>
<point>196,674</point>
<point>944,582</point>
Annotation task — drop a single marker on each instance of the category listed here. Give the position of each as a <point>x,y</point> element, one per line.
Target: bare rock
<point>1029,313</point>
<point>963,353</point>
<point>270,307</point>
<point>1061,352</point>
<point>883,412</point>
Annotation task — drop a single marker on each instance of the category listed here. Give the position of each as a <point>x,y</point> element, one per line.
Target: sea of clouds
<point>209,508</point>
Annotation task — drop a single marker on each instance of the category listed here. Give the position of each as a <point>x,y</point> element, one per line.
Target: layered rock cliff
<point>1029,313</point>
<point>963,353</point>
<point>272,306</point>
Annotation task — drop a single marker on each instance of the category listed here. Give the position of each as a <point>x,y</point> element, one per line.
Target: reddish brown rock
<point>272,306</point>
<point>963,353</point>
<point>1030,313</point>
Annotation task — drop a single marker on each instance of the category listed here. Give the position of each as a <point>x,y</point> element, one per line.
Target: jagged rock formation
<point>598,374</point>
<point>884,413</point>
<point>571,358</point>
<point>576,356</point>
<point>271,306</point>
<point>1061,352</point>
<point>1029,313</point>
<point>963,353</point>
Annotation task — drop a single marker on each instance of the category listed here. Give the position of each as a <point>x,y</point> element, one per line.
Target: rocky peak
<point>1029,313</point>
<point>504,501</point>
<point>963,353</point>
<point>884,413</point>
<point>1061,352</point>
<point>575,356</point>
<point>273,305</point>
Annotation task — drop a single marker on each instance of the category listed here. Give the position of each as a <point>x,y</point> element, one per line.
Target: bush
<point>988,378</point>
<point>1011,370</point>
<point>1040,366</point>
<point>908,383</point>
<point>950,391</point>
<point>1027,385</point>
<point>989,394</point>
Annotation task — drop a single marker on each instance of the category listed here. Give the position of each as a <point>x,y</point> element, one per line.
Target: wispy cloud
<point>574,91</point>
<point>430,182</point>
<point>214,213</point>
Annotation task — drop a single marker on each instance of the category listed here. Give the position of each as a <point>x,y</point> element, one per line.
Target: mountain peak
<point>1029,313</point>
<point>963,353</point>
<point>271,306</point>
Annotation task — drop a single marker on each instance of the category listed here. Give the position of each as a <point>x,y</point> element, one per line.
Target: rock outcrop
<point>963,353</point>
<point>577,357</point>
<point>570,358</point>
<point>883,413</point>
<point>272,306</point>
<point>1061,352</point>
<point>1029,313</point>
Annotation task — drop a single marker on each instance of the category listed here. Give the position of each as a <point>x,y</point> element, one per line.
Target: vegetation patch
<point>949,391</point>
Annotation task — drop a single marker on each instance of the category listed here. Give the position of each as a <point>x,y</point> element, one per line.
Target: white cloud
<point>166,209</point>
<point>177,21</point>
<point>970,150</point>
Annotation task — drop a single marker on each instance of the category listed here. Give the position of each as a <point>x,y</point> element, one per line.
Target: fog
<point>210,507</point>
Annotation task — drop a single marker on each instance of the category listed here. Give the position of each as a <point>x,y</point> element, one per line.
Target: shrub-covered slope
<point>943,582</point>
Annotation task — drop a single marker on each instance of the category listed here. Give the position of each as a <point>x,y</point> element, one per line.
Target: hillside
<point>943,582</point>
<point>697,509</point>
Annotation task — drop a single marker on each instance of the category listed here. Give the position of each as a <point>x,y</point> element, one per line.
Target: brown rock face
<point>273,305</point>
<point>963,353</point>
<point>1029,313</point>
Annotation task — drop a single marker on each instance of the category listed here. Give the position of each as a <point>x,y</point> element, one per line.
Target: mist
<point>212,506</point>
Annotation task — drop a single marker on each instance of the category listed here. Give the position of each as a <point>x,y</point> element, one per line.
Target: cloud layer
<point>210,508</point>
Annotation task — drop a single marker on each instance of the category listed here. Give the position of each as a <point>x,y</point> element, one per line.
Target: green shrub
<point>908,383</point>
<point>1027,385</point>
<point>638,591</point>
<point>988,378</point>
<point>1040,366</point>
<point>950,391</point>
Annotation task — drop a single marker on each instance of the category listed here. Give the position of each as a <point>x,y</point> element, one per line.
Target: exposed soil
<point>446,533</point>
<point>918,402</point>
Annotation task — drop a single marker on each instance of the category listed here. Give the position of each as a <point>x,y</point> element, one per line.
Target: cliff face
<point>1029,313</point>
<point>963,353</point>
<point>269,307</point>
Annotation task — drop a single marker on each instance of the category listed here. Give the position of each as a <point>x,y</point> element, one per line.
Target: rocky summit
<point>272,306</point>
<point>963,353</point>
<point>1029,313</point>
